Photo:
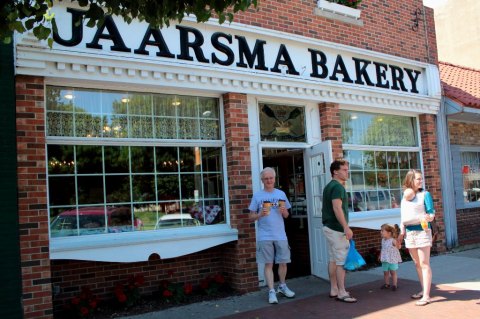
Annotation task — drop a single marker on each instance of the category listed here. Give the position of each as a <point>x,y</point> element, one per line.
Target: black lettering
<point>381,71</point>
<point>222,48</point>
<point>159,42</point>
<point>112,35</point>
<point>77,29</point>
<point>340,67</point>
<point>284,58</point>
<point>397,78</point>
<point>196,44</point>
<point>314,55</point>
<point>258,54</point>
<point>413,79</point>
<point>361,71</point>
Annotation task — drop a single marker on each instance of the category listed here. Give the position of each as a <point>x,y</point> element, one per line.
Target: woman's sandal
<point>347,299</point>
<point>418,295</point>
<point>422,302</point>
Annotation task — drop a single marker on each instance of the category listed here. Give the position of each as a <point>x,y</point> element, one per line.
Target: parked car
<point>176,220</point>
<point>91,220</point>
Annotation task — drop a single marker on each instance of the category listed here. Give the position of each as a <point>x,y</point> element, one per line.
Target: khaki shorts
<point>338,245</point>
<point>270,251</point>
<point>418,238</point>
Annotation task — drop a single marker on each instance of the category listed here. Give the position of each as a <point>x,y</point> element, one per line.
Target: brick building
<point>138,149</point>
<point>460,158</point>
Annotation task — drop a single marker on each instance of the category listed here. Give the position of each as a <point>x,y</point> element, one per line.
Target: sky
<point>434,3</point>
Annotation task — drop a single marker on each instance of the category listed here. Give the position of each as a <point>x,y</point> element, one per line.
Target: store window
<point>470,176</point>
<point>381,149</point>
<point>122,161</point>
<point>282,123</point>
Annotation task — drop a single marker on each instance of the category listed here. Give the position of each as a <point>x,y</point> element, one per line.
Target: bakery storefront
<point>152,140</point>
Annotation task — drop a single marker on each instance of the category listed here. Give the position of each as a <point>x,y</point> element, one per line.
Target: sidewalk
<point>455,292</point>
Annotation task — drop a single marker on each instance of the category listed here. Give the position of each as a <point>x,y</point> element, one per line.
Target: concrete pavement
<point>455,291</point>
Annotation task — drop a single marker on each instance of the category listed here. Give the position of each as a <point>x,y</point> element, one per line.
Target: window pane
<point>143,159</point>
<point>213,185</point>
<point>146,215</point>
<point>62,190</point>
<point>90,190</point>
<point>89,159</point>
<point>59,124</point>
<point>471,176</point>
<point>282,123</point>
<point>167,159</point>
<point>143,188</point>
<point>117,188</point>
<point>168,187</point>
<point>378,129</point>
<point>190,159</point>
<point>191,186</point>
<point>116,159</point>
<point>60,159</point>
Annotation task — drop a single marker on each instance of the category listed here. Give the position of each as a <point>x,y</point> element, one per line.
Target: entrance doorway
<point>289,166</point>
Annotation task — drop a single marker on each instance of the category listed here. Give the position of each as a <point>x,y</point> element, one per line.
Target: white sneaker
<point>272,297</point>
<point>286,292</point>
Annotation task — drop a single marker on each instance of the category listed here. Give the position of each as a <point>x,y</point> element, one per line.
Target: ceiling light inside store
<point>207,113</point>
<point>175,103</point>
<point>125,100</point>
<point>68,96</point>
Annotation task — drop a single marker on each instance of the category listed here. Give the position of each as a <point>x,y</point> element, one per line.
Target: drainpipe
<point>446,177</point>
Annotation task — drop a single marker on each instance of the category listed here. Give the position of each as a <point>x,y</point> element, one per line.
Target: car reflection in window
<point>176,220</point>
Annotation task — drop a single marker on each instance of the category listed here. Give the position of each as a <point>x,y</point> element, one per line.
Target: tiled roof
<point>460,84</point>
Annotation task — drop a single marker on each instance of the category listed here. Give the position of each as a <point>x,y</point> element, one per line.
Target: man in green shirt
<point>336,229</point>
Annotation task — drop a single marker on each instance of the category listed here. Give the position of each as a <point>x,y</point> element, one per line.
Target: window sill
<point>138,246</point>
<point>338,12</point>
<point>374,219</point>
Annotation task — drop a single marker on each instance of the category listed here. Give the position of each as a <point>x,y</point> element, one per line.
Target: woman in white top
<point>417,209</point>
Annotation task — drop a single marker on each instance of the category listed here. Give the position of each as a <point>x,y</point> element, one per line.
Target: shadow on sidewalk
<point>447,302</point>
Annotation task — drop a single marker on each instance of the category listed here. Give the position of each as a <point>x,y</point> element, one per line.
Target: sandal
<point>346,299</point>
<point>385,286</point>
<point>422,302</point>
<point>417,295</point>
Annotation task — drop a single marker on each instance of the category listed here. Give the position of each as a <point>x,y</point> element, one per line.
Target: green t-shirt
<point>334,190</point>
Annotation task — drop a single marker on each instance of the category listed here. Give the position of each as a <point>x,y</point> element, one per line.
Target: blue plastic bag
<point>354,259</point>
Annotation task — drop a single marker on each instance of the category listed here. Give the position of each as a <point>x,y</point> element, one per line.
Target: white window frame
<point>140,245</point>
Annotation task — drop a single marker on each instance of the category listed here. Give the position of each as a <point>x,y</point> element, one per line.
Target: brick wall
<point>240,261</point>
<point>331,128</point>
<point>32,197</point>
<point>102,277</point>
<point>468,224</point>
<point>428,133</point>
<point>464,133</point>
<point>383,22</point>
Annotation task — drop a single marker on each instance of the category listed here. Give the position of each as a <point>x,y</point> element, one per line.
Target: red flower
<point>188,289</point>
<point>219,279</point>
<point>93,304</point>
<point>204,284</point>
<point>139,280</point>
<point>76,300</point>
<point>84,311</point>
<point>167,293</point>
<point>121,297</point>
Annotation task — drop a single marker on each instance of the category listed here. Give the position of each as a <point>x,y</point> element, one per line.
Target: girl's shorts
<point>388,266</point>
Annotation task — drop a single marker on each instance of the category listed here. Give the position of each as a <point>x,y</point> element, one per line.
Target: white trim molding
<point>337,11</point>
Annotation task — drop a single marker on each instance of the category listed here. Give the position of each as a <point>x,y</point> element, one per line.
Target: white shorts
<point>418,238</point>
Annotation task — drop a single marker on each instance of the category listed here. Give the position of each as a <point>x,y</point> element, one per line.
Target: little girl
<point>390,255</point>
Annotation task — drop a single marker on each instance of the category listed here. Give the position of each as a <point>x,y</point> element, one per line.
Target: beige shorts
<point>418,238</point>
<point>338,245</point>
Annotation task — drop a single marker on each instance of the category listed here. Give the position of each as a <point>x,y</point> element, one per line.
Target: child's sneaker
<point>272,297</point>
<point>285,291</point>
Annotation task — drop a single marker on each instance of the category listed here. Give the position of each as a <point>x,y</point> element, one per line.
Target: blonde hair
<point>410,178</point>
<point>392,229</point>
